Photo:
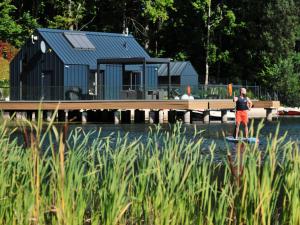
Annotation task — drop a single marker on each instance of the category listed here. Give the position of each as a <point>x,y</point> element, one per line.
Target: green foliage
<point>28,23</point>
<point>221,20</point>
<point>281,24</point>
<point>246,40</point>
<point>9,29</point>
<point>284,77</point>
<point>70,14</point>
<point>157,10</point>
<point>14,30</point>
<point>180,56</point>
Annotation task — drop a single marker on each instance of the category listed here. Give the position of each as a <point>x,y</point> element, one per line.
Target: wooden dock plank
<point>198,104</point>
<point>221,104</point>
<point>131,104</point>
<point>77,105</point>
<point>266,104</point>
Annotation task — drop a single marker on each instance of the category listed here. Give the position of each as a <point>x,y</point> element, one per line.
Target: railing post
<point>169,80</point>
<point>20,94</point>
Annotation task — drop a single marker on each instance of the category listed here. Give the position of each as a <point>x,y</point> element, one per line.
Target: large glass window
<point>132,80</point>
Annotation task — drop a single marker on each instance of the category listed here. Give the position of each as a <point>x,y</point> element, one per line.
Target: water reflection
<point>213,133</point>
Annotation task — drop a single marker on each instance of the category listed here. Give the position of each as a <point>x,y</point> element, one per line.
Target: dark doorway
<point>96,85</point>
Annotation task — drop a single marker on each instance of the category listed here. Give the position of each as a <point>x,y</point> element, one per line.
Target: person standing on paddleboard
<point>243,105</point>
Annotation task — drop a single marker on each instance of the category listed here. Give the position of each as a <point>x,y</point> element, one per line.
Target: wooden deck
<point>131,104</point>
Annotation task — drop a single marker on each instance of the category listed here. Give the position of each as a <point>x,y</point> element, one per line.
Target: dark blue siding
<point>189,76</point>
<point>41,73</point>
<point>151,77</point>
<point>112,81</point>
<point>186,71</point>
<point>76,81</point>
<point>189,80</point>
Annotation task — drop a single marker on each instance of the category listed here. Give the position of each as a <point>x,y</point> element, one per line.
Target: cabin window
<point>132,80</point>
<point>164,80</point>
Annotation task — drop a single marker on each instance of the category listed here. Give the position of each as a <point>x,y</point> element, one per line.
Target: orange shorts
<point>241,116</point>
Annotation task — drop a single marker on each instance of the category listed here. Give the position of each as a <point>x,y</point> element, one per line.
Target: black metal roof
<point>107,45</point>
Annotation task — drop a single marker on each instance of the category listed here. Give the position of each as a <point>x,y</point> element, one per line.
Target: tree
<point>9,29</point>
<point>280,25</point>
<point>156,13</point>
<point>69,14</point>
<point>284,78</point>
<point>216,16</point>
<point>13,28</point>
<point>281,63</point>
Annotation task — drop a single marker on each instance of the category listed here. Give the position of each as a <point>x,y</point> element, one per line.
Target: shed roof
<point>107,45</point>
<point>176,68</point>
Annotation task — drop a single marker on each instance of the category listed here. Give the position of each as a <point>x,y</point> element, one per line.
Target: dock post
<point>21,115</point>
<point>269,113</point>
<point>147,114</point>
<point>161,116</point>
<point>132,115</point>
<point>139,116</point>
<point>224,115</point>
<point>66,115</point>
<point>125,116</point>
<point>49,115</point>
<point>117,117</point>
<point>24,115</point>
<point>33,119</point>
<point>6,115</point>
<point>18,115</point>
<point>165,115</point>
<point>84,116</point>
<point>172,116</point>
<point>187,117</point>
<point>151,116</point>
<point>206,116</point>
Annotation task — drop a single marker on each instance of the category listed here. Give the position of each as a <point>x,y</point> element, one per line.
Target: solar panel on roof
<point>79,41</point>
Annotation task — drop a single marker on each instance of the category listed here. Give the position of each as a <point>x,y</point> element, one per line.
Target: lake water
<point>213,132</point>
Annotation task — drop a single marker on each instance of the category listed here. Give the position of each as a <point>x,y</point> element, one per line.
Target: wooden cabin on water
<point>77,65</point>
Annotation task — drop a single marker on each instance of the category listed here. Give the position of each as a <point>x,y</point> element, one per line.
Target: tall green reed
<point>88,178</point>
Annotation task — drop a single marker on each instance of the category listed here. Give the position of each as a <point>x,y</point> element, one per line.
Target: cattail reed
<point>75,177</point>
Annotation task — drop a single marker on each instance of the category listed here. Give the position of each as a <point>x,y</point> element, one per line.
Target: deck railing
<point>130,92</point>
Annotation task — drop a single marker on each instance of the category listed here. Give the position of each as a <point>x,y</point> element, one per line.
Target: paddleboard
<point>248,140</point>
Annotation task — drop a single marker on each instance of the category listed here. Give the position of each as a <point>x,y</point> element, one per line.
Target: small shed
<point>182,74</point>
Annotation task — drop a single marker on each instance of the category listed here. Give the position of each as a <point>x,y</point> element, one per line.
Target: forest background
<point>253,42</point>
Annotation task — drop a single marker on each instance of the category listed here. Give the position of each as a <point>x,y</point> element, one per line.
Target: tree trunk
<point>207,44</point>
<point>124,24</point>
<point>218,76</point>
<point>70,14</point>
<point>147,41</point>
